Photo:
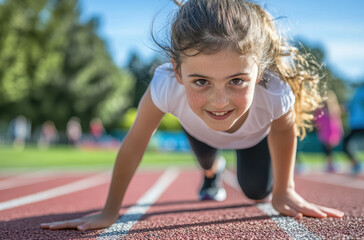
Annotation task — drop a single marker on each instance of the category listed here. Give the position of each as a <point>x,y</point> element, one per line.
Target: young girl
<point>233,83</point>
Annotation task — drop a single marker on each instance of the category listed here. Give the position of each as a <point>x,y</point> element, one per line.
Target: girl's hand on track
<point>85,223</point>
<point>292,204</point>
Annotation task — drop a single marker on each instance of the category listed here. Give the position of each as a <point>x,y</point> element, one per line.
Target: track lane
<point>24,222</point>
<point>289,225</point>
<point>178,214</point>
<point>347,199</point>
<point>327,191</point>
<point>44,183</point>
<point>65,189</point>
<point>335,179</point>
<point>135,212</point>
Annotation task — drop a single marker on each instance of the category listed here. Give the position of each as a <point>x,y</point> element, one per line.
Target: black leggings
<point>254,168</point>
<point>353,132</point>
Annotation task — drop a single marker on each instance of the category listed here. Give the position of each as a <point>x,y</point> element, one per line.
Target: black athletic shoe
<point>212,188</point>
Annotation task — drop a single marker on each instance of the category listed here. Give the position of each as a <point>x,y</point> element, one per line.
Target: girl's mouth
<point>220,115</point>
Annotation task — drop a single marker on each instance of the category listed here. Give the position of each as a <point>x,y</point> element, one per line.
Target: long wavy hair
<point>208,26</point>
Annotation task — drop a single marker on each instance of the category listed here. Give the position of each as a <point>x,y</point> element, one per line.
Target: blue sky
<point>336,25</point>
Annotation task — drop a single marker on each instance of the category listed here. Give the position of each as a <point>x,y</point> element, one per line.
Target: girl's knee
<point>206,162</point>
<point>256,195</point>
<point>255,191</point>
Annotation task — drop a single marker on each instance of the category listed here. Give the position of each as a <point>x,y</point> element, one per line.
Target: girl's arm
<point>282,143</point>
<point>132,151</point>
<point>128,159</point>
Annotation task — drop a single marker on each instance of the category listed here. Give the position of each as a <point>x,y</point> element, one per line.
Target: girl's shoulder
<point>165,70</point>
<point>273,84</point>
<point>165,91</point>
<point>163,76</point>
<point>274,95</point>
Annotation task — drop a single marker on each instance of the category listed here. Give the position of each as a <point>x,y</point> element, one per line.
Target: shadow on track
<point>29,227</point>
<point>200,224</point>
<point>197,209</point>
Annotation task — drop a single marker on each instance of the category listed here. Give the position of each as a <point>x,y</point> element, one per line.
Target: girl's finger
<point>45,225</point>
<point>288,211</point>
<point>65,224</point>
<point>83,227</point>
<point>330,211</point>
<point>311,210</point>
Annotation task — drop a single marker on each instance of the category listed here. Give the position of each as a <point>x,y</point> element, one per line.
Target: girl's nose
<point>219,99</point>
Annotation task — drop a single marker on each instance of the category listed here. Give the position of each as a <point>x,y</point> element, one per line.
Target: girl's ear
<point>177,72</point>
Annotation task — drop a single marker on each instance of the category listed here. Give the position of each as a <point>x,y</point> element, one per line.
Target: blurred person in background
<point>21,130</point>
<point>48,135</point>
<point>96,129</point>
<point>74,131</point>
<point>329,128</point>
<point>356,124</point>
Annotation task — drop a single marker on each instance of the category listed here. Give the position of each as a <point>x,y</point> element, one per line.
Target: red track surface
<point>177,214</point>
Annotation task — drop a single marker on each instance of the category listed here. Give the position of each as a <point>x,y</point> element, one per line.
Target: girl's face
<point>219,87</point>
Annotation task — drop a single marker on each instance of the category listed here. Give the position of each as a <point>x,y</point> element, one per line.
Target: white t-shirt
<point>269,103</point>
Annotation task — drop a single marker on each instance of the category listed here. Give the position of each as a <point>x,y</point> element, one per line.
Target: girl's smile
<point>219,87</point>
<point>220,115</point>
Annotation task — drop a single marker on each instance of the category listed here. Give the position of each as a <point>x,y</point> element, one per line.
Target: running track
<point>162,204</point>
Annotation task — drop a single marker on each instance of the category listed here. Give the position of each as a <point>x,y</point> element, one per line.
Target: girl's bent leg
<point>212,188</point>
<point>205,154</point>
<point>254,171</point>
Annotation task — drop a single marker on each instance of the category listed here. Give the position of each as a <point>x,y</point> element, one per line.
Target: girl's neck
<point>238,123</point>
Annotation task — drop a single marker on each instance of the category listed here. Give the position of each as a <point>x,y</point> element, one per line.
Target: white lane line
<point>122,226</point>
<point>294,229</point>
<point>26,179</point>
<point>57,191</point>
<point>333,179</point>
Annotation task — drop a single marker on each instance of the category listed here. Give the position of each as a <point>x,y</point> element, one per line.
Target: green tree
<point>143,73</point>
<point>19,48</point>
<point>56,67</point>
<point>168,122</point>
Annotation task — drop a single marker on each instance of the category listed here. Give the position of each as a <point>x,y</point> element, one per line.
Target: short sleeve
<point>287,101</point>
<point>281,95</point>
<point>159,88</point>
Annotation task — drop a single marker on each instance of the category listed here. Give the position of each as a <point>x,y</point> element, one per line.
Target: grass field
<point>64,156</point>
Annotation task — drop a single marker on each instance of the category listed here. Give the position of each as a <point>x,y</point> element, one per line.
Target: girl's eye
<point>236,81</point>
<point>201,82</point>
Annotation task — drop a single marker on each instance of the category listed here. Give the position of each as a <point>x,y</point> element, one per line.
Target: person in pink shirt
<point>329,128</point>
<point>96,129</point>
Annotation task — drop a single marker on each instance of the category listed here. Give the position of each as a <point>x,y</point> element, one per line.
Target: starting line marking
<point>122,226</point>
<point>85,183</point>
<point>294,229</point>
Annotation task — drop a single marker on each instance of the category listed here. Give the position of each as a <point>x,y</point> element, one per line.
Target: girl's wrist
<point>110,214</point>
<point>278,190</point>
